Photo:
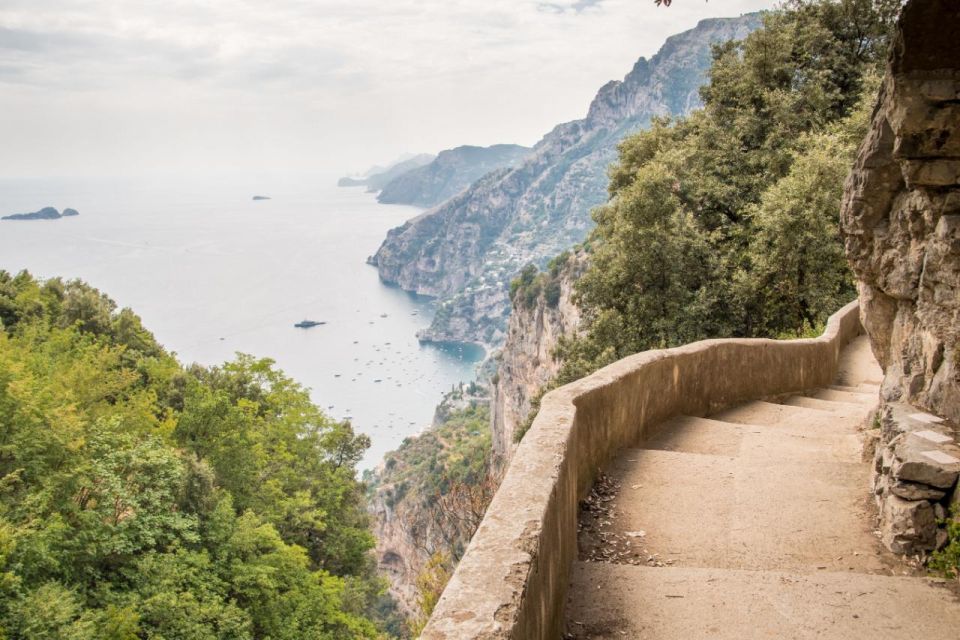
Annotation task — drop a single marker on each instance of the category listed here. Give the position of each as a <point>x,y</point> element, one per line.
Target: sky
<point>118,87</point>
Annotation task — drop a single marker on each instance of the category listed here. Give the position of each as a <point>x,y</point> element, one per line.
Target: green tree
<point>724,223</point>
<point>799,273</point>
<point>139,499</point>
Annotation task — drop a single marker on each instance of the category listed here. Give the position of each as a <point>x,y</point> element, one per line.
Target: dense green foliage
<point>725,223</point>
<point>437,486</point>
<point>140,499</point>
<point>946,561</point>
<point>426,467</point>
<point>531,284</point>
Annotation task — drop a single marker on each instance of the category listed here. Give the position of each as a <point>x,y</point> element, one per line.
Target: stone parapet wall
<point>512,581</point>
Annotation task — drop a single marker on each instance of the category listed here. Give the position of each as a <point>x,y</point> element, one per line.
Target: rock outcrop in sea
<point>47,213</point>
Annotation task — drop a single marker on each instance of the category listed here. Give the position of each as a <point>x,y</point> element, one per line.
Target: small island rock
<point>47,213</point>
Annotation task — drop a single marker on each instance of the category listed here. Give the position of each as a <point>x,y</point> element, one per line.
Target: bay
<point>213,272</point>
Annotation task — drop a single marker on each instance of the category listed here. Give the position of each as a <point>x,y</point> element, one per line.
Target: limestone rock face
<point>908,525</point>
<point>526,360</point>
<point>901,213</point>
<point>398,559</point>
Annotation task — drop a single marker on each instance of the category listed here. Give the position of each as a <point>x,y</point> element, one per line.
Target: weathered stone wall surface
<point>511,583</point>
<point>901,213</point>
<point>901,221</point>
<point>915,478</point>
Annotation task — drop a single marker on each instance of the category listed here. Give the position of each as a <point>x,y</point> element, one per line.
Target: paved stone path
<point>756,522</point>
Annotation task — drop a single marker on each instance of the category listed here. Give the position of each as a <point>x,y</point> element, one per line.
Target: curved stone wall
<point>511,582</point>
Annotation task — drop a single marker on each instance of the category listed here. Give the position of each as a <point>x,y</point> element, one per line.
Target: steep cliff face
<point>399,559</point>
<point>901,220</point>
<point>526,361</point>
<point>429,495</point>
<point>451,172</point>
<point>468,248</point>
<point>901,214</point>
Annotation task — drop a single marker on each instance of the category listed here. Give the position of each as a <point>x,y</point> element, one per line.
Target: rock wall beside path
<point>901,222</point>
<point>901,213</point>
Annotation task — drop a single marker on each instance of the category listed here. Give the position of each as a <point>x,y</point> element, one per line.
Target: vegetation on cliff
<point>142,499</point>
<point>431,465</point>
<point>947,560</point>
<point>436,488</point>
<point>526,288</point>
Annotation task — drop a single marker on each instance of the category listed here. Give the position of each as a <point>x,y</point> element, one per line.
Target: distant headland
<point>47,213</point>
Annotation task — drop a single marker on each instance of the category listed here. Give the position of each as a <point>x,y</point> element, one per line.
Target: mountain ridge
<point>466,250</point>
<point>452,171</point>
<point>378,177</point>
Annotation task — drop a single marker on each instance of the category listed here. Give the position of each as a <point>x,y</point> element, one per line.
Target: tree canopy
<point>725,223</point>
<point>143,499</point>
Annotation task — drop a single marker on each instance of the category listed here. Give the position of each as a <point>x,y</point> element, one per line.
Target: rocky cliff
<point>451,172</point>
<point>429,495</point>
<point>467,249</point>
<point>901,221</point>
<point>526,361</point>
<point>901,214</point>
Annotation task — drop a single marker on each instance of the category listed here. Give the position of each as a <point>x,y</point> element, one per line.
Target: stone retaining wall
<point>916,467</point>
<point>512,581</point>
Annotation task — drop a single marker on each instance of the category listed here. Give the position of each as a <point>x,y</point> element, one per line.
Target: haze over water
<point>212,273</point>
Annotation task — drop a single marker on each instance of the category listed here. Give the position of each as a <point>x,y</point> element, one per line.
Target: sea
<point>213,272</point>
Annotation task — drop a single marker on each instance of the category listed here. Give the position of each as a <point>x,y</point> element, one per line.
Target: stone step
<point>608,601</point>
<point>857,365</point>
<point>771,414</point>
<point>848,409</point>
<point>833,395</point>
<point>800,432</point>
<point>755,522</point>
<point>863,389</point>
<point>698,435</point>
<point>784,441</point>
<point>773,507</point>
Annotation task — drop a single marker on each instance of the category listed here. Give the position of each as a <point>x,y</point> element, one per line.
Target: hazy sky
<point>119,86</point>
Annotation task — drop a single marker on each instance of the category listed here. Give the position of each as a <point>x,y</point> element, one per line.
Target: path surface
<point>754,523</point>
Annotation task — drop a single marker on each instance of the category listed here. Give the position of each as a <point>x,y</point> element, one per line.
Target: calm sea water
<point>212,273</point>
